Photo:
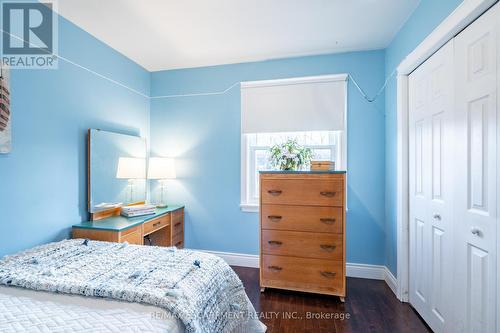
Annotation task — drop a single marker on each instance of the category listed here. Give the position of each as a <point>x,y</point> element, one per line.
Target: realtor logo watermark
<point>29,35</point>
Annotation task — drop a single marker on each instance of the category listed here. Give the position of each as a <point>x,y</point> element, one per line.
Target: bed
<point>81,285</point>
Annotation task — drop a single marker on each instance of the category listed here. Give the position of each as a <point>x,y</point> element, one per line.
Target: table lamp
<point>131,168</point>
<point>161,168</point>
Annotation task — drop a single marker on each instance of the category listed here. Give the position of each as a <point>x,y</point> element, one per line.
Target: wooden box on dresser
<point>302,231</point>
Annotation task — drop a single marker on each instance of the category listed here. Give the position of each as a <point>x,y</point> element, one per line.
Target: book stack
<point>138,210</point>
<point>322,166</point>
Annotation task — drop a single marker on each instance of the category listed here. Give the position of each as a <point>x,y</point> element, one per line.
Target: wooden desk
<point>164,228</point>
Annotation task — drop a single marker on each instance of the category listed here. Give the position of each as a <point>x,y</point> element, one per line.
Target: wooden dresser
<point>302,231</point>
<point>164,228</point>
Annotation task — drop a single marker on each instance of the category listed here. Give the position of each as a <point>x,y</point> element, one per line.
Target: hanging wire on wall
<point>379,92</point>
<point>356,84</point>
<point>222,92</point>
<point>58,56</point>
<point>358,87</point>
<point>198,94</point>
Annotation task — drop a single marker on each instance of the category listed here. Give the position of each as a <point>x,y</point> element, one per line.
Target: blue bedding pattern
<point>198,288</point>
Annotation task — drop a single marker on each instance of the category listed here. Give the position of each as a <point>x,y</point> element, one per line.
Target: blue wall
<point>203,133</point>
<point>428,15</point>
<point>43,183</point>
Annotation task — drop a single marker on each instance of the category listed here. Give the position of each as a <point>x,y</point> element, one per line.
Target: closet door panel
<point>476,60</point>
<point>498,172</point>
<point>419,192</point>
<point>430,125</point>
<point>439,303</point>
<point>477,294</point>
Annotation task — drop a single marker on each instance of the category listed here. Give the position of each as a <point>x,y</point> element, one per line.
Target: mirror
<point>117,170</point>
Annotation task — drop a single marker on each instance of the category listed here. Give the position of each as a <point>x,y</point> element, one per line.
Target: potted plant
<point>290,155</point>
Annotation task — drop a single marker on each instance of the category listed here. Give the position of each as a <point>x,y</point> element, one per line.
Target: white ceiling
<point>168,34</point>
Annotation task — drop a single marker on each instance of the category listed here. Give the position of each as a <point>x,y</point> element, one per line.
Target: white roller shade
<point>315,103</point>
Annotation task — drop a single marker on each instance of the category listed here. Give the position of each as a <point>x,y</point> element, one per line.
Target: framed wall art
<point>5,112</point>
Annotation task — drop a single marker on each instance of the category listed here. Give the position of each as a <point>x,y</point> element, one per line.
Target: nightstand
<point>164,228</point>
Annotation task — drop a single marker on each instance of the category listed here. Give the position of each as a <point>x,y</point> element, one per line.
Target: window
<point>311,110</point>
<point>326,145</point>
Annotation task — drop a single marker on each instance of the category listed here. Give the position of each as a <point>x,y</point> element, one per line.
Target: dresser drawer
<point>178,215</point>
<point>178,228</point>
<point>130,230</point>
<point>315,275</point>
<point>302,244</point>
<point>132,236</point>
<point>302,218</point>
<point>310,192</point>
<point>156,224</point>
<point>178,222</point>
<point>178,241</point>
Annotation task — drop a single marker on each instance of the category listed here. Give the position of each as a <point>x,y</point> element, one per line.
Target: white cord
<point>198,94</point>
<point>77,65</point>
<point>381,90</point>
<point>363,94</point>
<point>102,76</point>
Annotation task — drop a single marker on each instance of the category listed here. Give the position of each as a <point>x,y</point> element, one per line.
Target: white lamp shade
<point>131,168</point>
<point>161,168</point>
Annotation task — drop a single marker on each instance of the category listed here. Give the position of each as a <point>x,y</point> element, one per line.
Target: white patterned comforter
<point>23,310</point>
<point>94,286</point>
<point>28,311</point>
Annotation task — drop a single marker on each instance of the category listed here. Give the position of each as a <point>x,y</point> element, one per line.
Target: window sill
<point>249,208</point>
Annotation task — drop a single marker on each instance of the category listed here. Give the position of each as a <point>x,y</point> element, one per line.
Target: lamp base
<point>161,205</point>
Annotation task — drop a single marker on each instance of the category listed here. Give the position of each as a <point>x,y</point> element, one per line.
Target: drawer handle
<point>273,242</point>
<point>327,247</point>
<point>156,224</point>
<point>328,275</point>
<point>177,224</point>
<point>327,194</point>
<point>275,192</point>
<point>328,220</point>
<point>275,268</point>
<point>274,218</point>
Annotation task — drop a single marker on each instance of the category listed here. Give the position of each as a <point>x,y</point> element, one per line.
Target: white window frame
<point>250,180</point>
<point>248,203</point>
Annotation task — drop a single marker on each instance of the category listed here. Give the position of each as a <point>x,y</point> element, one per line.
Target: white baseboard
<point>237,259</point>
<point>391,281</point>
<point>374,272</point>
<point>364,271</point>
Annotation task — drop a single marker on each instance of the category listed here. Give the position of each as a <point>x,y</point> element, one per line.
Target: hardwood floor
<point>370,307</point>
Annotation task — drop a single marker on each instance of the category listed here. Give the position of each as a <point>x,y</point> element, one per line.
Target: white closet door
<point>477,58</point>
<point>431,182</point>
